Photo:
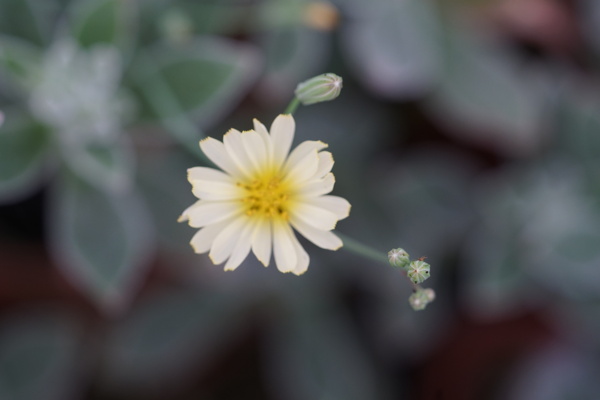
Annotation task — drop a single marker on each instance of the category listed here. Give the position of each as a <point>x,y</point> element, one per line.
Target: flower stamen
<point>266,197</point>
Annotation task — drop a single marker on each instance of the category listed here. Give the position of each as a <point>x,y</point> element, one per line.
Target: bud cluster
<point>417,271</point>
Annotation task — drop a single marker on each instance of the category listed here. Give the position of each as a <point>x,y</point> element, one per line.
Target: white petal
<point>216,152</point>
<point>303,169</point>
<point>203,213</point>
<point>235,148</point>
<point>337,205</point>
<point>283,247</point>
<point>262,240</point>
<point>256,150</point>
<point>241,248</point>
<point>282,134</point>
<point>215,191</point>
<point>323,239</point>
<point>302,150</point>
<point>314,216</point>
<point>203,239</point>
<point>226,240</point>
<point>211,184</point>
<point>260,129</point>
<point>303,258</point>
<point>318,187</point>
<point>325,164</point>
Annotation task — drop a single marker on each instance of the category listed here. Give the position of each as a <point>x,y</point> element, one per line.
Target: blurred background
<point>468,131</point>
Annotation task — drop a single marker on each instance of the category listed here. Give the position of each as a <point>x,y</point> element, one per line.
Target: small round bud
<point>418,271</point>
<point>419,299</point>
<point>320,88</point>
<point>430,294</point>
<point>398,258</point>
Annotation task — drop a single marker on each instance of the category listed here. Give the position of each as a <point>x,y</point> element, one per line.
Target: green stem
<point>366,251</point>
<point>363,249</point>
<point>291,108</point>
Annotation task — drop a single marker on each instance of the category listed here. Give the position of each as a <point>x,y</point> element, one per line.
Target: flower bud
<point>418,271</point>
<point>398,258</point>
<point>324,87</point>
<point>419,299</point>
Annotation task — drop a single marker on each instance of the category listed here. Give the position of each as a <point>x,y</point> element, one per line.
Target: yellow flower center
<point>266,197</point>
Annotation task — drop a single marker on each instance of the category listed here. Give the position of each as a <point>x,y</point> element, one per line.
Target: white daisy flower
<point>262,192</point>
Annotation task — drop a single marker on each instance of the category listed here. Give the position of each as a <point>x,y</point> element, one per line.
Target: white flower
<point>261,194</point>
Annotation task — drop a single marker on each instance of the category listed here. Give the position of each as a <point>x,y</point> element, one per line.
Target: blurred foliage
<point>468,131</point>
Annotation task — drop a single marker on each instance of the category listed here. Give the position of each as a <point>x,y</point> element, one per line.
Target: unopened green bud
<point>419,299</point>
<point>320,88</point>
<point>398,258</point>
<point>418,271</point>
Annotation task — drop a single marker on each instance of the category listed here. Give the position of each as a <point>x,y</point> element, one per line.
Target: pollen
<point>266,197</point>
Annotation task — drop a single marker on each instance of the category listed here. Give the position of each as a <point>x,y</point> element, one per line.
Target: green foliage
<point>29,20</point>
<point>101,239</point>
<point>196,81</point>
<point>24,146</point>
<point>107,166</point>
<point>200,78</point>
<point>483,90</point>
<point>103,22</point>
<point>19,64</point>
<point>394,47</point>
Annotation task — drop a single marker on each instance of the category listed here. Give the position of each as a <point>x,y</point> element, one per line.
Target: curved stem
<point>291,108</point>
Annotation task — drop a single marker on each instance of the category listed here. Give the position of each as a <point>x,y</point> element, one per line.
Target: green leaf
<point>100,239</point>
<point>393,46</point>
<point>28,19</point>
<point>203,79</point>
<point>20,64</point>
<point>23,149</point>
<point>103,22</point>
<point>170,333</point>
<point>486,98</point>
<point>108,166</point>
<point>38,357</point>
